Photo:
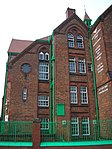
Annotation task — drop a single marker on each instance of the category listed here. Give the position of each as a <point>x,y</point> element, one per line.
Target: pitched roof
<point>57,29</point>
<point>101,17</point>
<point>18,45</point>
<point>46,38</point>
<point>28,48</point>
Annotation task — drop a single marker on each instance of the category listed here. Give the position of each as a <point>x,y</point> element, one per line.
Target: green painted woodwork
<point>94,79</point>
<point>87,22</point>
<point>13,53</point>
<point>16,131</point>
<point>16,144</point>
<point>60,109</point>
<point>64,131</point>
<point>86,143</point>
<point>52,82</point>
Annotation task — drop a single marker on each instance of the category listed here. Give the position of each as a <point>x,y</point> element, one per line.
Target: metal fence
<point>13,131</point>
<point>64,131</point>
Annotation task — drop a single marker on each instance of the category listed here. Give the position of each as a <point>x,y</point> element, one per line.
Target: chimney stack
<point>69,12</point>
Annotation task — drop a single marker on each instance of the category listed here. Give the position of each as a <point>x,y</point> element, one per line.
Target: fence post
<point>36,133</point>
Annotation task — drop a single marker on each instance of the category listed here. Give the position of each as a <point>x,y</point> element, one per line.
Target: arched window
<point>80,41</point>
<point>46,56</point>
<point>43,65</point>
<point>41,56</point>
<point>25,94</point>
<point>70,41</point>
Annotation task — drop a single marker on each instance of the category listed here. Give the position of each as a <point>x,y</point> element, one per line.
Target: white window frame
<point>84,95</point>
<point>41,56</point>
<point>73,95</point>
<point>43,101</point>
<point>43,74</point>
<point>47,54</point>
<point>85,126</point>
<point>82,66</point>
<point>70,41</point>
<point>80,43</point>
<point>45,122</point>
<point>73,62</point>
<point>75,126</point>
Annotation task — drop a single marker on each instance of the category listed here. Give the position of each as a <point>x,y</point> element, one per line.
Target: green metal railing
<point>19,131</point>
<point>64,132</point>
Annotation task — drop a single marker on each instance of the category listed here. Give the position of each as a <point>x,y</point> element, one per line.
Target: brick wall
<point>107,32</point>
<point>17,108</point>
<point>62,55</point>
<point>80,147</point>
<point>101,38</point>
<point>62,75</point>
<point>62,147</point>
<point>104,99</point>
<point>20,110</point>
<point>100,58</point>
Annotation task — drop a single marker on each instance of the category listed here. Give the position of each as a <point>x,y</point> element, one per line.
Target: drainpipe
<point>52,96</point>
<point>50,41</point>
<point>5,88</point>
<point>94,79</point>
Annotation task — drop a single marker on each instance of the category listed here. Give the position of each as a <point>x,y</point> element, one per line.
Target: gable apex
<point>28,48</point>
<point>101,17</point>
<point>64,23</point>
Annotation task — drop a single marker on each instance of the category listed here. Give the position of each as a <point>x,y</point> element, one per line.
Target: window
<point>75,126</point>
<point>43,71</point>
<point>46,56</point>
<point>70,41</point>
<point>75,39</point>
<point>43,101</point>
<point>73,94</point>
<point>43,66</point>
<point>89,67</point>
<point>84,96</point>
<point>24,94</point>
<point>41,56</point>
<point>72,65</point>
<point>44,123</point>
<point>85,126</point>
<point>26,68</point>
<point>110,74</point>
<point>82,66</point>
<point>80,41</point>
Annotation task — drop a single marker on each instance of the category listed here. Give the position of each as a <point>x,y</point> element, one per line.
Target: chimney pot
<point>70,12</point>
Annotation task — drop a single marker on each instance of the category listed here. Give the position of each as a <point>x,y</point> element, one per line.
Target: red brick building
<point>101,34</point>
<point>63,77</point>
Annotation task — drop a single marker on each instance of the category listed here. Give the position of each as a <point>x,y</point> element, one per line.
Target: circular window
<point>26,68</point>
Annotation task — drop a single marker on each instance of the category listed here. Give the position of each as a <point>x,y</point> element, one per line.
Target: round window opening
<point>26,68</point>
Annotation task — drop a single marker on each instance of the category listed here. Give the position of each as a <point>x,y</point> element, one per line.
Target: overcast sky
<point>34,19</point>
